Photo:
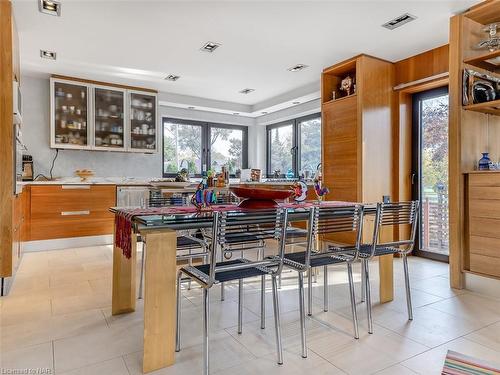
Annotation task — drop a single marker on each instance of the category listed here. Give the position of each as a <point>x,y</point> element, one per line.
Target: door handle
<point>75,213</point>
<point>75,187</point>
<point>412,177</point>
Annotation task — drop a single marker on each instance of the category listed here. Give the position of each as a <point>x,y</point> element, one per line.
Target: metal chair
<point>323,221</point>
<point>190,244</point>
<point>237,227</point>
<point>390,214</point>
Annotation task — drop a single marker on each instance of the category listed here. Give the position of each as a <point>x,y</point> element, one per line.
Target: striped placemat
<point>460,364</point>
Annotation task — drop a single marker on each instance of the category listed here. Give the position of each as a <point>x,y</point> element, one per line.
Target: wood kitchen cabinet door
<point>61,211</point>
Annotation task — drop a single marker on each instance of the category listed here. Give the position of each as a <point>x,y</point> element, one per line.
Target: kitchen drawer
<point>71,224</point>
<point>485,246</point>
<point>62,211</point>
<point>484,208</point>
<point>484,227</point>
<point>484,192</point>
<point>484,179</point>
<point>485,265</point>
<point>60,198</point>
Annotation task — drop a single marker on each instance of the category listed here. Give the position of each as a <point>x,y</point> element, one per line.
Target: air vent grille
<point>399,21</point>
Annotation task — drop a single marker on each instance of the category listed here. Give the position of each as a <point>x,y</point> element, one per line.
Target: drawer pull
<point>75,187</point>
<point>75,213</point>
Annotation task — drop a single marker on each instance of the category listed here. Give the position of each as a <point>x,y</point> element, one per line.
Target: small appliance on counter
<point>27,168</point>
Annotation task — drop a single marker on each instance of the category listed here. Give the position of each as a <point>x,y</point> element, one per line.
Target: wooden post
<point>159,299</point>
<point>124,279</point>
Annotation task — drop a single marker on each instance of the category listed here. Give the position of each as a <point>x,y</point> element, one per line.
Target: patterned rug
<point>460,364</point>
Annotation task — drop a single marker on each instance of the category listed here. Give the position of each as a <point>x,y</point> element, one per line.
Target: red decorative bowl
<point>258,197</point>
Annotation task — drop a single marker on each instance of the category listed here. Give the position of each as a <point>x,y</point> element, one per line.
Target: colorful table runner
<point>125,216</point>
<point>460,364</point>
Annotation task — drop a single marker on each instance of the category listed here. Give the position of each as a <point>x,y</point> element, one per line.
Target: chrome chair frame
<point>190,241</point>
<point>327,220</point>
<point>225,226</point>
<point>390,214</point>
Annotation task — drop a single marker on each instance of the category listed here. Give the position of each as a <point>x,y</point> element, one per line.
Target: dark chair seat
<point>242,238</point>
<point>366,249</point>
<point>183,241</point>
<point>224,276</point>
<point>316,261</point>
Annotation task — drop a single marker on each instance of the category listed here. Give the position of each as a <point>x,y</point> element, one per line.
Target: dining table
<point>158,226</point>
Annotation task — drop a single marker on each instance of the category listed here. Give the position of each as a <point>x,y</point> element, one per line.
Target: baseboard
<point>482,285</point>
<point>66,243</point>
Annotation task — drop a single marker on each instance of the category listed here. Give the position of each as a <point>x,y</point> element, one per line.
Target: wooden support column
<point>124,279</point>
<point>159,299</point>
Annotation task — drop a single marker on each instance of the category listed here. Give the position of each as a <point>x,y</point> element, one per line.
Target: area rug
<point>460,364</point>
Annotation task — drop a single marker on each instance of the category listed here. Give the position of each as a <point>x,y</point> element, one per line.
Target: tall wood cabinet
<point>474,128</point>
<point>356,130</point>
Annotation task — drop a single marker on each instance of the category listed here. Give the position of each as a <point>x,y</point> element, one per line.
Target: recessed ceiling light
<point>50,7</point>
<point>210,46</point>
<point>246,91</point>
<point>47,55</point>
<point>297,68</point>
<point>295,102</point>
<point>172,77</point>
<point>399,21</point>
<point>236,113</point>
<point>264,113</point>
<point>191,107</point>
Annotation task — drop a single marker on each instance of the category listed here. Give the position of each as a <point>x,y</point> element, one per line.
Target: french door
<point>430,172</point>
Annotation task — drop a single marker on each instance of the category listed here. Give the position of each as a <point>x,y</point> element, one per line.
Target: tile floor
<point>58,317</point>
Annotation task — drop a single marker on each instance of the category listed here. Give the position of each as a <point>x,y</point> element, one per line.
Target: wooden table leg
<point>124,280</point>
<point>386,278</point>
<point>159,299</point>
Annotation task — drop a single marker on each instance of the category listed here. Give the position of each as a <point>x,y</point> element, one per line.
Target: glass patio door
<point>430,172</point>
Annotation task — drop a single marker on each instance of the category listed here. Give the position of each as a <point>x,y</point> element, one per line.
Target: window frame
<point>205,142</point>
<point>296,142</point>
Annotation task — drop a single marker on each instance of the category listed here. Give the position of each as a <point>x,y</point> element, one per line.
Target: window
<point>294,146</point>
<point>195,145</point>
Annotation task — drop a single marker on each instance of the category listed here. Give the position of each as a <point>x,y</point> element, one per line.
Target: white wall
<point>35,128</point>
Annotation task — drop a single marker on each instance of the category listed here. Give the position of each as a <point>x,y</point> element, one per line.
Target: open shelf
<point>333,76</point>
<point>339,99</point>
<point>492,108</point>
<point>484,61</point>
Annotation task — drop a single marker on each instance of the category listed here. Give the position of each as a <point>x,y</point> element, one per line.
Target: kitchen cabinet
<point>143,127</point>
<point>70,115</point>
<point>109,118</point>
<point>62,211</point>
<point>483,221</point>
<point>90,115</point>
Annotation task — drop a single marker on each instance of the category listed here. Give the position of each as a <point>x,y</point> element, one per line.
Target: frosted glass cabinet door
<point>142,122</point>
<point>69,115</point>
<point>109,119</point>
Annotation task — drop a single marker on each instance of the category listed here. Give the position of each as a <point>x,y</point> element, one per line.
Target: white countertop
<point>132,181</point>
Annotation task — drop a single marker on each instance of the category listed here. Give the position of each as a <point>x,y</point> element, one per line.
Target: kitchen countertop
<point>133,181</point>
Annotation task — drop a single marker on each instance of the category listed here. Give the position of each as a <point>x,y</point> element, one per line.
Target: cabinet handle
<point>75,213</point>
<point>75,187</point>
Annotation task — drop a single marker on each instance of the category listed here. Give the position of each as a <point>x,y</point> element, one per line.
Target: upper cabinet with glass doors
<point>103,117</point>
<point>70,107</point>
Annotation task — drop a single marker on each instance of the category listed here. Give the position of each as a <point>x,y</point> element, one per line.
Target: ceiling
<point>141,42</point>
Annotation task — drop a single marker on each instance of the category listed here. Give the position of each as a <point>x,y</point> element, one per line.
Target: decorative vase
<point>484,162</point>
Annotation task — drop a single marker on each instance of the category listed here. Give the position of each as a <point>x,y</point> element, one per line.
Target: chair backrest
<point>396,214</point>
<point>340,219</point>
<point>245,227</point>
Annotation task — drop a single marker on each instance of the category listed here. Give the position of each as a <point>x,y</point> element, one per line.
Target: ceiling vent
<point>210,46</point>
<point>297,68</point>
<point>47,55</point>
<point>172,77</point>
<point>399,21</point>
<point>246,91</point>
<point>50,7</point>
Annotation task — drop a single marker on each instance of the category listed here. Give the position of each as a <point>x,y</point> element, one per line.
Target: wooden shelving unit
<point>484,61</point>
<point>491,108</point>
<point>473,129</point>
